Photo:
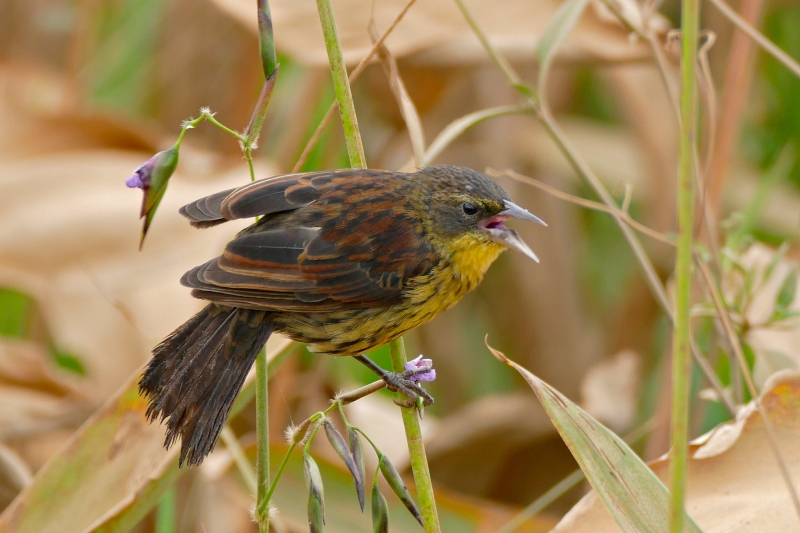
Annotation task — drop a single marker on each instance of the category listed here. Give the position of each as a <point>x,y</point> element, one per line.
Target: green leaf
<point>564,19</point>
<point>15,308</point>
<point>784,314</point>
<point>68,362</point>
<point>787,291</point>
<point>634,496</point>
<point>776,258</point>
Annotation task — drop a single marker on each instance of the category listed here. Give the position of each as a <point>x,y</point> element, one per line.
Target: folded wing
<point>361,257</point>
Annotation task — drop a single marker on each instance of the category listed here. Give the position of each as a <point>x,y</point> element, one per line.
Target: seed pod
<point>380,511</point>
<point>357,452</point>
<point>316,494</point>
<point>396,482</point>
<point>339,444</point>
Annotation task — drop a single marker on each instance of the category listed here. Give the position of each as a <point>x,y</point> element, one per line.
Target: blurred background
<point>90,89</point>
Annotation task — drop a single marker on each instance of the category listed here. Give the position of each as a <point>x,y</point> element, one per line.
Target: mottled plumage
<point>342,260</point>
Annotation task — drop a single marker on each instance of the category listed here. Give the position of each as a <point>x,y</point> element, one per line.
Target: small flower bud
<point>316,494</point>
<point>380,511</point>
<point>419,363</point>
<point>266,39</point>
<point>357,451</point>
<point>297,434</point>
<point>392,477</point>
<point>340,446</point>
<point>152,177</point>
<point>316,513</point>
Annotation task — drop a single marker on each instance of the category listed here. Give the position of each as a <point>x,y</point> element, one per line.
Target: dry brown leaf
<point>610,390</point>
<point>14,475</point>
<point>435,32</point>
<point>734,484</point>
<point>498,436</point>
<point>73,247</point>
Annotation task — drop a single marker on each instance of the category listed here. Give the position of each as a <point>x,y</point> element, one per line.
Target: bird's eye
<point>469,209</point>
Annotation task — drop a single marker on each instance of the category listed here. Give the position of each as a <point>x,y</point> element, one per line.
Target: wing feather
<point>361,252</point>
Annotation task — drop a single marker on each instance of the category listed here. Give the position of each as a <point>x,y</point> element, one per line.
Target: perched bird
<point>344,261</point>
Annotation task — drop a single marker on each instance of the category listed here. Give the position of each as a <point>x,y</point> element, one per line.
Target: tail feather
<point>197,372</point>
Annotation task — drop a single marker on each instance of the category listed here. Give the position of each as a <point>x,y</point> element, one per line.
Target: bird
<point>342,260</point>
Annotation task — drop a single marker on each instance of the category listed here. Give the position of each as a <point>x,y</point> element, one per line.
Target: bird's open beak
<point>506,236</point>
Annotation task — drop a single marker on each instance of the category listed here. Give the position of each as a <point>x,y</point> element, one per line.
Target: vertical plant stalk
<point>738,75</point>
<point>416,449</point>
<point>317,135</point>
<point>768,46</point>
<point>681,360</point>
<point>262,436</point>
<point>269,64</point>
<point>355,148</point>
<point>355,151</point>
<point>165,512</point>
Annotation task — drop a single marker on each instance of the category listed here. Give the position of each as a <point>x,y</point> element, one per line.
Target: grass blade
<point>631,492</point>
<point>554,35</point>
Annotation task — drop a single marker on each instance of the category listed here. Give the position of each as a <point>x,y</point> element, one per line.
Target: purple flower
<point>141,176</point>
<point>420,363</point>
<point>152,177</point>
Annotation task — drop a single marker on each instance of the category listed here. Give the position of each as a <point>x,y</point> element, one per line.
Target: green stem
<point>681,361</point>
<point>274,483</point>
<point>165,513</point>
<point>355,151</point>
<point>355,148</point>
<point>262,436</point>
<point>209,117</point>
<point>250,137</point>
<point>249,157</point>
<point>416,449</point>
<point>269,64</point>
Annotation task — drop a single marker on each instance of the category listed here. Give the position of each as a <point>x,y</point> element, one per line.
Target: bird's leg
<point>400,382</point>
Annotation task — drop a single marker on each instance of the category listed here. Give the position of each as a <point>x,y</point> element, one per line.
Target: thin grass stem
<point>242,462</point>
<point>262,437</point>
<point>701,361</point>
<point>317,135</point>
<point>770,47</point>
<point>341,85</point>
<point>736,346</point>
<point>681,333</point>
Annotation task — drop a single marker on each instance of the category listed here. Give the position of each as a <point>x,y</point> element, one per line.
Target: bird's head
<point>468,214</point>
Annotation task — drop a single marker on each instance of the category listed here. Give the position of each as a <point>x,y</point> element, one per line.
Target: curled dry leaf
<point>734,485</point>
<point>435,32</point>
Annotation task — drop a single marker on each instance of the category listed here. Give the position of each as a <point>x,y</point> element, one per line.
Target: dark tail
<point>197,372</point>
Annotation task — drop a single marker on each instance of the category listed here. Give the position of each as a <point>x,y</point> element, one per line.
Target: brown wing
<point>263,197</point>
<point>364,251</point>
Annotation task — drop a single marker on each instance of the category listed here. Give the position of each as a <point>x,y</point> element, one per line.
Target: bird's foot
<point>404,383</point>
